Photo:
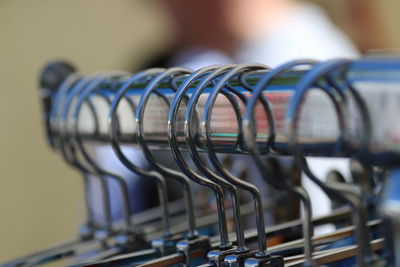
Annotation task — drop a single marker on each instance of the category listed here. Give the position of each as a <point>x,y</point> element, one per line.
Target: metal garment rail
<point>377,81</point>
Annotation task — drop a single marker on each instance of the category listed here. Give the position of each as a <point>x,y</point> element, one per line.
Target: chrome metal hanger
<point>361,166</point>
<point>87,231</point>
<point>192,145</point>
<point>114,136</point>
<point>62,143</point>
<point>193,241</point>
<point>54,84</point>
<point>225,245</point>
<point>262,256</point>
<point>346,192</point>
<point>69,150</point>
<point>250,134</point>
<point>168,172</point>
<point>128,238</point>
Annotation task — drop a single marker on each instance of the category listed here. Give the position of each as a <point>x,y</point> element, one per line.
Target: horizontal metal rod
<point>376,80</point>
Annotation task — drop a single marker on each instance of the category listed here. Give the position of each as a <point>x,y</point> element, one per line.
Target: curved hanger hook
<point>55,116</point>
<point>113,134</point>
<point>205,127</point>
<point>250,134</point>
<point>69,157</point>
<point>269,116</point>
<point>231,93</point>
<point>140,111</point>
<point>68,148</point>
<point>192,145</point>
<point>85,94</point>
<point>180,160</point>
<point>365,254</point>
<point>339,80</point>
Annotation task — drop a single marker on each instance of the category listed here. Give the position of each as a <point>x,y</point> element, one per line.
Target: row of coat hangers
<point>71,103</point>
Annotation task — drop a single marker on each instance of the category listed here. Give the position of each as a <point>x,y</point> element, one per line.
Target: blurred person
<point>260,31</point>
<point>263,31</point>
<point>271,32</point>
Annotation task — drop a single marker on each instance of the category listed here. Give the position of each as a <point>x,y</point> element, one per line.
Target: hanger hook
<point>182,179</point>
<point>250,134</point>
<point>69,150</point>
<point>362,154</point>
<point>85,94</point>
<point>206,130</point>
<point>87,231</point>
<point>192,145</point>
<point>180,160</point>
<point>308,81</point>
<point>115,143</point>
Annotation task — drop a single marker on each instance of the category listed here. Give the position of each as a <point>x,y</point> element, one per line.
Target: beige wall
<point>386,21</point>
<point>40,198</point>
<point>389,11</point>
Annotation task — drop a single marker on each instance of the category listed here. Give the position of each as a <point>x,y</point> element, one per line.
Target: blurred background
<point>40,197</point>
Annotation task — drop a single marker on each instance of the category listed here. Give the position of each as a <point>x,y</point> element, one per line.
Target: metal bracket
<point>238,259</point>
<point>216,257</point>
<point>188,245</point>
<point>272,261</point>
<point>166,245</point>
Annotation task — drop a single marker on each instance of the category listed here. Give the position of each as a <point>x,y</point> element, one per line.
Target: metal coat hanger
<point>168,172</point>
<point>328,78</point>
<point>128,237</point>
<point>262,256</point>
<point>87,232</point>
<point>250,134</point>
<point>361,163</point>
<point>361,166</point>
<point>62,144</point>
<point>69,149</point>
<point>115,143</point>
<point>346,192</point>
<point>363,174</point>
<point>128,241</point>
<point>193,240</point>
<point>225,245</point>
<point>238,256</point>
<point>190,140</point>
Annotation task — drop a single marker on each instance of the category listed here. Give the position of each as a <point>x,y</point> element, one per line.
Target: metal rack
<point>338,108</point>
<point>376,80</point>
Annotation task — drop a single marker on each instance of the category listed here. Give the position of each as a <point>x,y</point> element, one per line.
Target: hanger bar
<point>336,235</point>
<point>340,233</point>
<point>319,132</point>
<point>169,260</point>
<point>322,257</point>
<point>343,252</point>
<point>149,218</point>
<point>150,221</point>
<point>251,236</point>
<point>173,259</point>
<point>333,217</point>
<point>338,254</point>
<point>376,80</point>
